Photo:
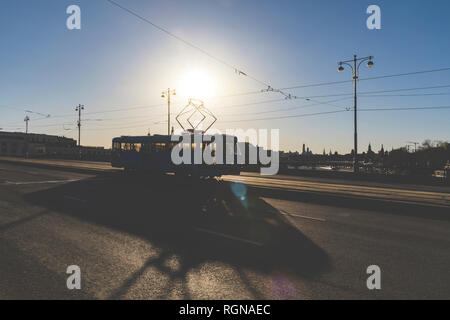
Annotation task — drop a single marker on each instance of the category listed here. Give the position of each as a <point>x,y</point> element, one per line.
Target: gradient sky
<point>117,61</point>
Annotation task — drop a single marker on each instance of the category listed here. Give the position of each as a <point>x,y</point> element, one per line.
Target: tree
<point>427,144</point>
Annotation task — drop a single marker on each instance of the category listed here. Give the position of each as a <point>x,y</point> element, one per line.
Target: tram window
<point>116,146</point>
<point>131,146</point>
<point>194,145</point>
<point>187,147</point>
<point>136,147</point>
<point>160,146</point>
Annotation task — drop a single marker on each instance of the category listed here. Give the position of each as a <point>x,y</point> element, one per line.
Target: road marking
<point>37,182</point>
<point>74,198</point>
<point>300,216</point>
<point>229,236</point>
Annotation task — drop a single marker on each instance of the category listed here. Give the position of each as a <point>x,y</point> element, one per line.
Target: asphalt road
<point>138,237</point>
<point>436,196</point>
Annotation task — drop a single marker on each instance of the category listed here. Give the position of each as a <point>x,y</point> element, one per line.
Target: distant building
<point>19,144</point>
<point>381,153</point>
<point>306,151</point>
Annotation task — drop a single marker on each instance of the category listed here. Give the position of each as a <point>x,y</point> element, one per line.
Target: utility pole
<point>26,121</point>
<point>79,108</point>
<point>167,94</point>
<point>355,75</point>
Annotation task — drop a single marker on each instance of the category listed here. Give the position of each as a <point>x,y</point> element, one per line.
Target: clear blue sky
<point>117,61</point>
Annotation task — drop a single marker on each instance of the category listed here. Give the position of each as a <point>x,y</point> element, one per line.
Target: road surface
<point>165,238</point>
<point>436,196</point>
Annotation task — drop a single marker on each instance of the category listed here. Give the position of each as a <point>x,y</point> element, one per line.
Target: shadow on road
<point>202,221</point>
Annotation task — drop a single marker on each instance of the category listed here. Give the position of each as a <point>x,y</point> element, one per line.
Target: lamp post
<point>27,118</point>
<point>167,94</point>
<point>78,109</point>
<point>355,74</point>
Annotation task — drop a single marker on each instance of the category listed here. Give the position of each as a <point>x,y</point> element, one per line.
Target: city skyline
<point>116,65</point>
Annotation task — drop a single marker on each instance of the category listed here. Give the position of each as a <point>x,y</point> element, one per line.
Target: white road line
<point>37,182</point>
<point>229,236</point>
<point>300,216</point>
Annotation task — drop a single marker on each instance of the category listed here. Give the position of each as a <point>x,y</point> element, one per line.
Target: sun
<point>196,84</point>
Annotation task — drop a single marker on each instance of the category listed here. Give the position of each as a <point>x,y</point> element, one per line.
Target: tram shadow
<point>198,221</point>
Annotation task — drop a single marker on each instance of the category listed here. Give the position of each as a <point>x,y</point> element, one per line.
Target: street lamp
<point>27,118</point>
<point>355,75</point>
<point>79,108</point>
<point>167,94</point>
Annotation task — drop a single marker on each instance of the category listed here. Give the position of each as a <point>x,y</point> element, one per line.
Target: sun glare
<point>197,84</point>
